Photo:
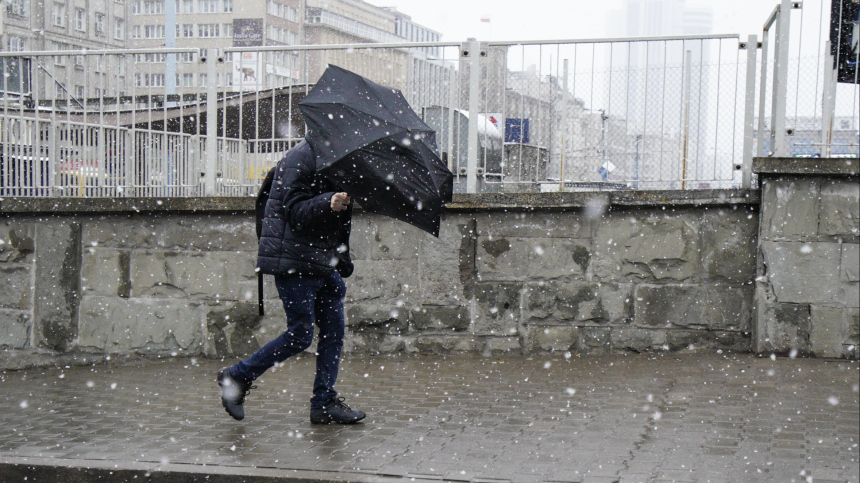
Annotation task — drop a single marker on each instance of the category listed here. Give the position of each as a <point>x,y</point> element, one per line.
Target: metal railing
<point>630,113</point>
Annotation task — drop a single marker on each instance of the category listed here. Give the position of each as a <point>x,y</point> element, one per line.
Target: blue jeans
<point>307,300</point>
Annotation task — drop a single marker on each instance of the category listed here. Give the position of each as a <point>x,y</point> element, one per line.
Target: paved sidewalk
<point>714,417</point>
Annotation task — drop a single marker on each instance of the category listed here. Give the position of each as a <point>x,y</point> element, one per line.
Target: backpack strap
<point>259,212</point>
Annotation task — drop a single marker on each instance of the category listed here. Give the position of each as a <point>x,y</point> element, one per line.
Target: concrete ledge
<point>461,202</point>
<point>810,166</point>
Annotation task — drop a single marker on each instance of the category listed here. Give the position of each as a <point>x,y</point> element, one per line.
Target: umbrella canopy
<point>370,142</point>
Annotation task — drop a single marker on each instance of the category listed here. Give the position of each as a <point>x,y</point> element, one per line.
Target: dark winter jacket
<point>301,234</point>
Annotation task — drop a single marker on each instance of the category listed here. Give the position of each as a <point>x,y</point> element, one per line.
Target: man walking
<point>304,243</point>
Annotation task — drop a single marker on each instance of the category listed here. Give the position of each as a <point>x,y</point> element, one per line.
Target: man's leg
<point>298,296</point>
<point>326,407</point>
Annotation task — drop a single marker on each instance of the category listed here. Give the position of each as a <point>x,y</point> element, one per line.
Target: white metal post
<point>471,51</point>
<point>779,144</point>
<point>211,120</point>
<point>762,93</point>
<point>749,113</point>
<point>828,103</point>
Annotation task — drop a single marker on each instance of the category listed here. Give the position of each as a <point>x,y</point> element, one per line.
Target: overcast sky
<point>558,19</point>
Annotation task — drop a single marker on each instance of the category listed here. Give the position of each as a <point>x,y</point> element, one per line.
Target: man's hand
<point>339,201</point>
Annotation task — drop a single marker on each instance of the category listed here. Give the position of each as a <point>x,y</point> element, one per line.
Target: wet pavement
<point>671,417</point>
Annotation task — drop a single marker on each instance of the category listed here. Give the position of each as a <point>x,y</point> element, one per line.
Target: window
<point>187,30</point>
<point>187,6</point>
<point>16,44</point>
<point>228,30</point>
<point>149,80</point>
<point>202,78</point>
<point>187,80</point>
<point>79,61</point>
<point>100,24</point>
<point>80,19</point>
<point>153,31</point>
<point>207,6</point>
<point>135,32</point>
<point>17,7</point>
<point>59,14</point>
<point>79,91</point>
<point>153,7</point>
<point>208,29</point>
<point>98,92</point>
<point>187,57</point>
<point>137,7</point>
<point>59,59</point>
<point>119,67</point>
<point>118,28</point>
<point>228,6</point>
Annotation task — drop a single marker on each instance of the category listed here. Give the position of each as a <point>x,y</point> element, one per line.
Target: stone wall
<point>585,273</point>
<point>808,284</point>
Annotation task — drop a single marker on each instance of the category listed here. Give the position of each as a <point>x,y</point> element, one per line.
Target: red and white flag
<point>485,18</point>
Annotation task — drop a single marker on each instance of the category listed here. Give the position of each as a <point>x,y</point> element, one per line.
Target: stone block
<point>105,271</point>
<point>389,239</point>
<point>552,338</point>
<point>203,232</point>
<point>828,331</point>
<point>440,344</point>
<point>840,208</point>
<point>15,327</point>
<point>16,290</point>
<point>57,284</point>
<point>785,327</point>
<point>694,306</point>
<point>497,308</point>
<point>382,319</point>
<point>595,340</point>
<point>210,275</point>
<point>17,241</point>
<point>494,346</point>
<point>637,340</point>
<point>447,264</point>
<point>500,258</point>
<point>790,209</point>
<point>118,325</point>
<point>555,302</point>
<point>234,327</point>
<point>729,244</point>
<point>534,225</point>
<point>384,281</point>
<point>694,340</point>
<point>852,322</point>
<point>634,246</point>
<point>436,317</point>
<point>549,258</point>
<point>803,273</point>
<point>850,263</point>
<point>374,343</point>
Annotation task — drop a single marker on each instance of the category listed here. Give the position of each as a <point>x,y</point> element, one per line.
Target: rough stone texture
<point>571,302</point>
<point>15,283</point>
<point>57,288</point>
<point>114,324</point>
<point>551,338</point>
<point>657,247</point>
<point>379,319</point>
<point>432,317</point>
<point>232,328</point>
<point>497,308</point>
<point>595,340</point>
<point>105,271</point>
<point>14,329</point>
<point>389,281</point>
<point>850,263</point>
<point>17,240</point>
<point>690,306</point>
<point>494,346</point>
<point>804,272</point>
<point>729,239</point>
<point>638,340</point>
<point>217,275</point>
<point>173,231</point>
<point>840,209</point>
<point>828,331</point>
<point>785,327</point>
<point>791,208</point>
<point>440,259</point>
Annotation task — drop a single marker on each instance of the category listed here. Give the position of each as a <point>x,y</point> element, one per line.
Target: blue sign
<point>517,131</point>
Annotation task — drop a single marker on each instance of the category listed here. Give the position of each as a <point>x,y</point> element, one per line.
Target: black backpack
<point>260,211</point>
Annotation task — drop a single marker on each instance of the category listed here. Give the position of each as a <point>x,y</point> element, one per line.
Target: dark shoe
<point>233,394</point>
<point>336,412</point>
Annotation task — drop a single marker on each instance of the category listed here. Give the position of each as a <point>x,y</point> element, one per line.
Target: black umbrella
<point>370,142</point>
